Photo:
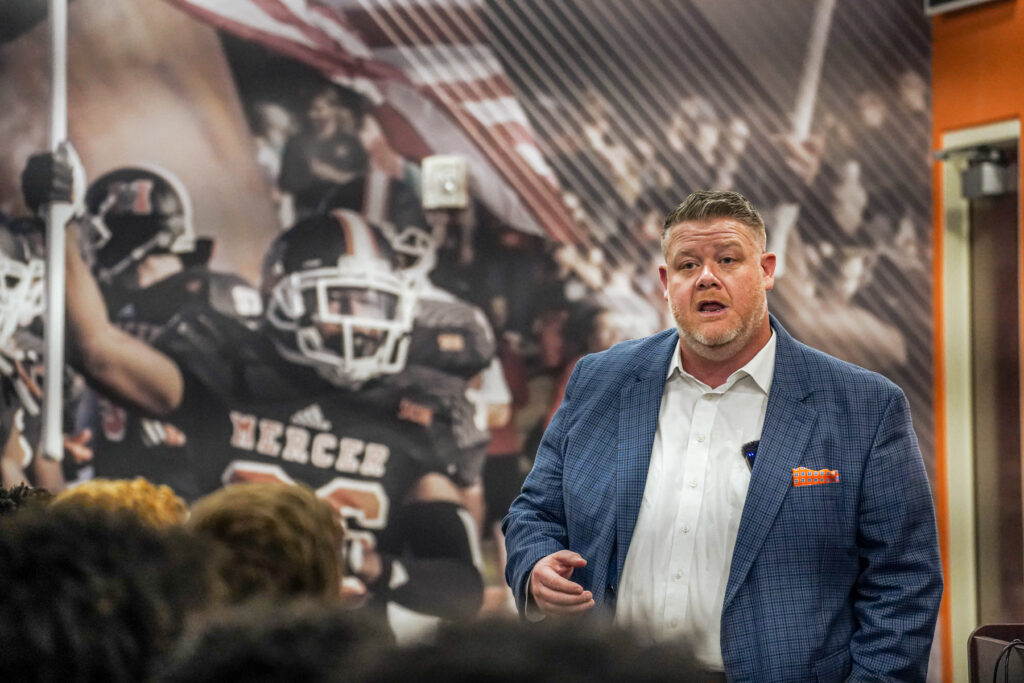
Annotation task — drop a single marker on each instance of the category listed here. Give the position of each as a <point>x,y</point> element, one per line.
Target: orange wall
<point>977,78</point>
<point>978,65</point>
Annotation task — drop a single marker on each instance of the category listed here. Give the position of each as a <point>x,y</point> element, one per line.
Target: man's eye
<point>689,265</point>
<point>728,259</point>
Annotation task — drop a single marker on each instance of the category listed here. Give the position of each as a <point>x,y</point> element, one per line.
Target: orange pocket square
<point>803,476</point>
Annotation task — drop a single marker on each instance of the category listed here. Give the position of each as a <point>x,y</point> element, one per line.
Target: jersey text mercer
<point>298,444</point>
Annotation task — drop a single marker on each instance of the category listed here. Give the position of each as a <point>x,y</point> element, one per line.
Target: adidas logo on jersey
<point>312,417</point>
<point>126,313</point>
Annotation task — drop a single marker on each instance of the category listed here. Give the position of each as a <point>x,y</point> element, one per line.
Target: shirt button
<point>679,575</point>
<point>685,529</point>
<point>700,438</point>
<point>673,623</point>
<point>693,483</point>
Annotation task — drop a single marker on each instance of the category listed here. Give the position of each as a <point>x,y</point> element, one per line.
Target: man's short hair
<point>705,204</point>
<point>156,505</point>
<point>281,539</point>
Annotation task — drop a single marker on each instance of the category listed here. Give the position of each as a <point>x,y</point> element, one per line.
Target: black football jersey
<point>252,415</point>
<point>125,443</point>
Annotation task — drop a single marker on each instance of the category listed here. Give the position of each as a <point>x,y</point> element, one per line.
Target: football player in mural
<point>150,266</point>
<point>320,394</point>
<point>21,302</point>
<point>450,333</point>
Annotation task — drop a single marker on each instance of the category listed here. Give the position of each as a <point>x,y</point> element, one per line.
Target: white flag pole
<point>787,214</point>
<point>58,214</point>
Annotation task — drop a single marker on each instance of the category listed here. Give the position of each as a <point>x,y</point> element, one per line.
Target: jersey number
<point>362,502</point>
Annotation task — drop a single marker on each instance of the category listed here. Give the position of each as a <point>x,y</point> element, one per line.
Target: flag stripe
<point>438,47</point>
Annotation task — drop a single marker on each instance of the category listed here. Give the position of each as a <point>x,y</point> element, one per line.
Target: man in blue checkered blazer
<point>835,573</point>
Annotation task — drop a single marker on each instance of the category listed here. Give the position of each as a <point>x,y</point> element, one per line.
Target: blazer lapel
<point>788,426</point>
<point>639,405</point>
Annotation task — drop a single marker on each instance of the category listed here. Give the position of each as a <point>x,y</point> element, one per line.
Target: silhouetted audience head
<point>90,595</point>
<point>302,641</point>
<point>281,540</point>
<point>156,505</point>
<point>505,651</point>
<point>22,496</point>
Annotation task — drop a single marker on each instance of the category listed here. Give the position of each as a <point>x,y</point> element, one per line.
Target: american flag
<point>428,68</point>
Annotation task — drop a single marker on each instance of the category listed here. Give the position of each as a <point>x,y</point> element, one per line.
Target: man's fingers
<point>570,610</point>
<point>556,598</point>
<point>551,579</point>
<point>569,558</point>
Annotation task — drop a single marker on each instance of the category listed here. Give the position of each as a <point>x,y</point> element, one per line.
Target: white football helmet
<point>336,299</point>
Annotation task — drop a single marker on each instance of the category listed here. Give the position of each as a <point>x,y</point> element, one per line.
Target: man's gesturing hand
<point>551,588</point>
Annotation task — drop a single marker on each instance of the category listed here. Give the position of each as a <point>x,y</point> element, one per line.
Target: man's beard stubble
<point>721,346</point>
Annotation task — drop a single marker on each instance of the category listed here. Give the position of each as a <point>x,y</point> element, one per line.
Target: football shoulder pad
<point>452,336</point>
<point>232,296</point>
<point>439,402</point>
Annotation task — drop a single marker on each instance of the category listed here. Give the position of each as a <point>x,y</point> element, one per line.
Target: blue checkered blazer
<point>827,582</point>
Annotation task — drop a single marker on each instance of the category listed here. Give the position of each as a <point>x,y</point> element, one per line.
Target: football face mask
<point>351,323</point>
<point>22,291</point>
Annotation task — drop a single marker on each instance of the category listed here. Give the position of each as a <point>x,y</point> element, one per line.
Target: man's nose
<point>707,278</point>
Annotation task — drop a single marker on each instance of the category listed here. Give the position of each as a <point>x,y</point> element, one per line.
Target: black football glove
<point>48,177</point>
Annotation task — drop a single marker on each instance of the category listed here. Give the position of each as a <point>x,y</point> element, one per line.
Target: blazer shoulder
<point>633,355</point>
<point>823,369</point>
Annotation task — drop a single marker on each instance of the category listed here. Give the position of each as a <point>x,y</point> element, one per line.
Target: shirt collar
<point>760,368</point>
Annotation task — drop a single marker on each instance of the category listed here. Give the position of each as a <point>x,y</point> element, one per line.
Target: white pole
<point>787,214</point>
<point>58,214</point>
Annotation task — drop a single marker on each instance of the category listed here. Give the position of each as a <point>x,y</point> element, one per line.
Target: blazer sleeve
<point>896,597</point>
<point>535,526</point>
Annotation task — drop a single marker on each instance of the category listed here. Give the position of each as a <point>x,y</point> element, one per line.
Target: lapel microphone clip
<point>750,453</point>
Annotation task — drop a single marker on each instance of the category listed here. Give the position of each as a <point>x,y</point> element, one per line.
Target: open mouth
<point>710,307</point>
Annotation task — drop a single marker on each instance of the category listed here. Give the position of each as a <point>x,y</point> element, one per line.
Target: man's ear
<point>768,262</point>
<point>663,274</point>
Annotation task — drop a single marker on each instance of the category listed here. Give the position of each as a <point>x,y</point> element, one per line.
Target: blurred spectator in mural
<point>91,595</point>
<point>860,242</point>
<point>327,152</point>
<point>618,160</point>
<point>507,464</point>
<point>273,125</point>
<point>564,332</point>
<point>150,266</point>
<point>156,505</point>
<point>328,166</point>
<point>693,132</point>
<point>586,327</point>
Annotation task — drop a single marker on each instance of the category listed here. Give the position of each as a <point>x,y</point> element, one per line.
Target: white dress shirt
<point>676,570</point>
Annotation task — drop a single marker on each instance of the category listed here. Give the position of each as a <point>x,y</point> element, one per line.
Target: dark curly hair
<point>90,595</point>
